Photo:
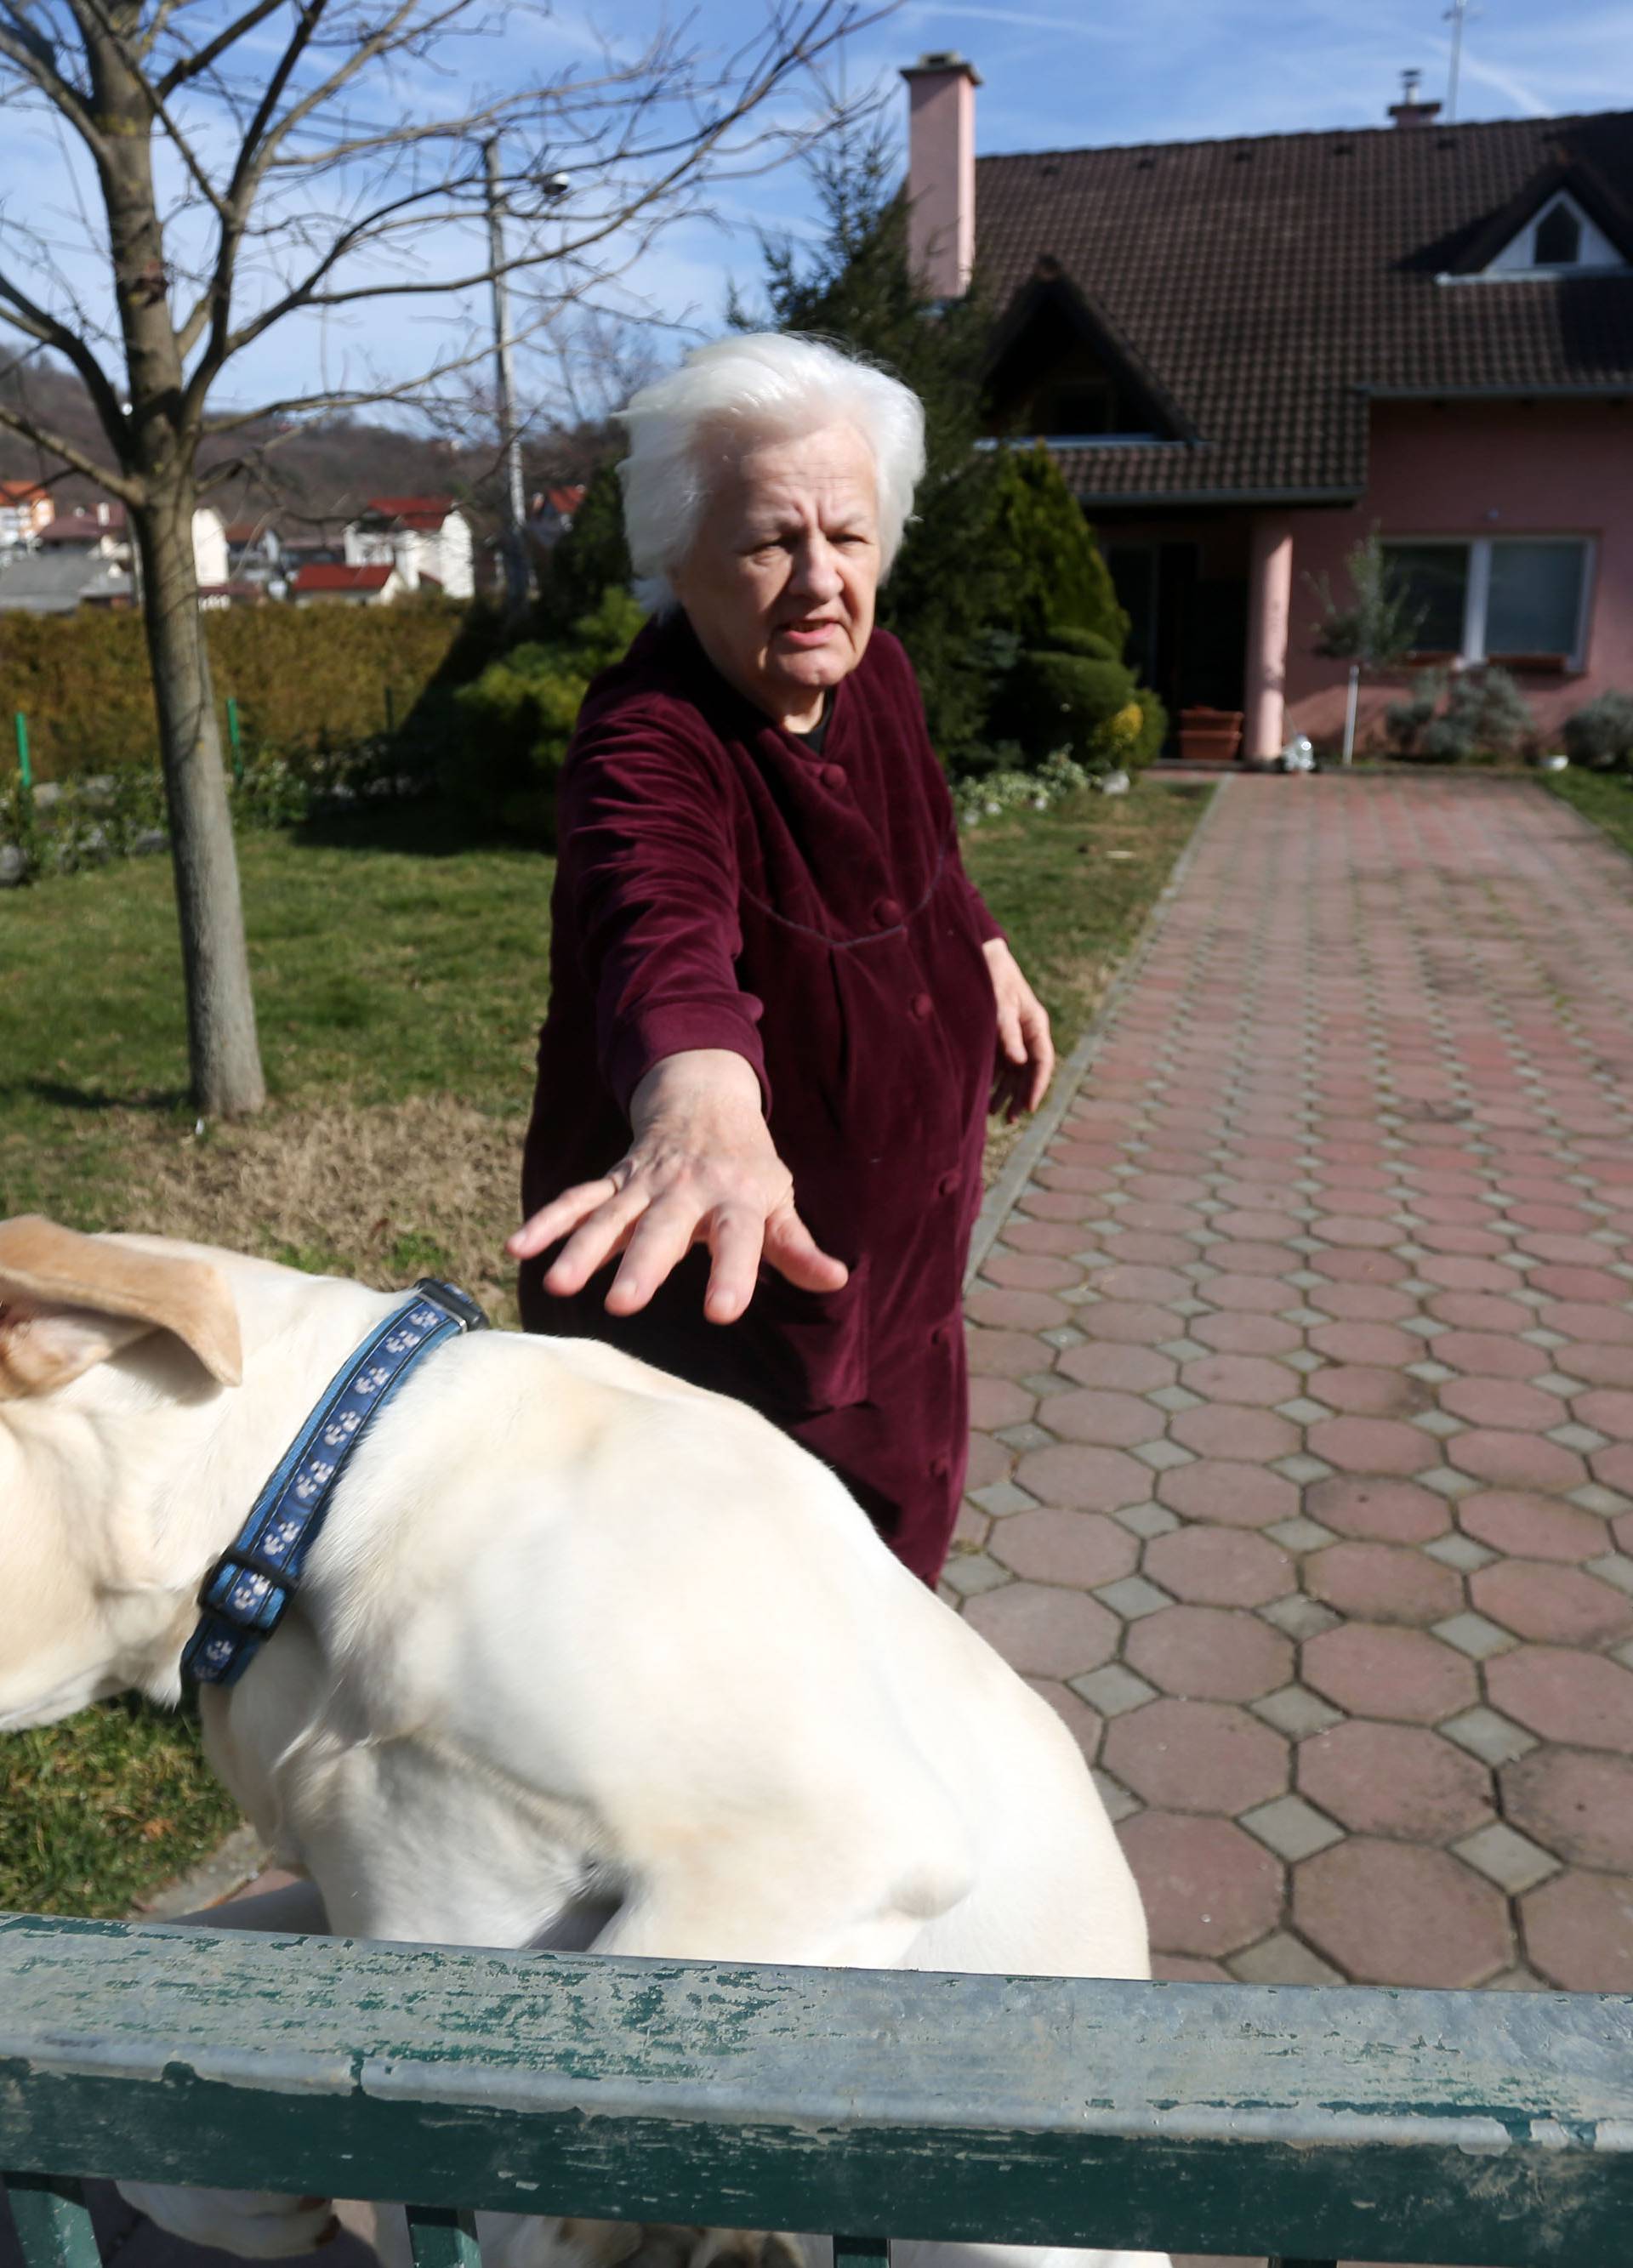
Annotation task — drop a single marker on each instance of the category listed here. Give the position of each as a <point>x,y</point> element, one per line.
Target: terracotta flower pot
<point>1209,736</point>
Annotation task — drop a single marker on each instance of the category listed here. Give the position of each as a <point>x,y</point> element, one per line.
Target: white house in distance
<point>24,508</point>
<point>426,539</point>
<point>85,559</point>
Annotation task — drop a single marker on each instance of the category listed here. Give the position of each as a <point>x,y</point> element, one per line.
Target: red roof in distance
<point>343,578</point>
<point>415,512</point>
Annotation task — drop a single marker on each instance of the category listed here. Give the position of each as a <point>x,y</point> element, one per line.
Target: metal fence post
<point>235,736</point>
<point>23,764</point>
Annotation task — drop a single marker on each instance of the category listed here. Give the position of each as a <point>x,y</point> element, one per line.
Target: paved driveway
<point>1303,1480</point>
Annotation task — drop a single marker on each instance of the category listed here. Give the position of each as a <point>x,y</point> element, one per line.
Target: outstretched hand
<point>701,1168</point>
<point>1025,1062</point>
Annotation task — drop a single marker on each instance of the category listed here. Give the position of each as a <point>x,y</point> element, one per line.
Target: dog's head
<point>73,1597</point>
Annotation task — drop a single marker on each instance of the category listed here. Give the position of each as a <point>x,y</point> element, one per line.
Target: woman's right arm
<point>649,865</point>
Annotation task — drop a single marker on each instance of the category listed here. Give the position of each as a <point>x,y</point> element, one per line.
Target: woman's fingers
<point>737,1239</point>
<point>668,1229</point>
<point>1011,1039</point>
<point>793,1252</point>
<point>559,1218</point>
<point>595,1241</point>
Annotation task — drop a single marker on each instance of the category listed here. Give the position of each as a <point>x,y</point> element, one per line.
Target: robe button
<point>886,912</point>
<point>949,1184</point>
<point>923,1005</point>
<point>938,1469</point>
<point>833,776</point>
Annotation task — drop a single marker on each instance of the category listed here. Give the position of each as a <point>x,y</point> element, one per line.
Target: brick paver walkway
<point>1303,1477</point>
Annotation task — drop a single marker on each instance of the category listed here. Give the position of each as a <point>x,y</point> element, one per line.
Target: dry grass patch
<point>384,1192</point>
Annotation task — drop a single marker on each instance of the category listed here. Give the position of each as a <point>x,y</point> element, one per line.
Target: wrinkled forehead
<point>817,472</point>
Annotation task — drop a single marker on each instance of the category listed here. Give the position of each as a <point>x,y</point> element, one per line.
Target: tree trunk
<point>223,1053</point>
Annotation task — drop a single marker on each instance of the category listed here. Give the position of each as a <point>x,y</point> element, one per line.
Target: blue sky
<point>1056,75</point>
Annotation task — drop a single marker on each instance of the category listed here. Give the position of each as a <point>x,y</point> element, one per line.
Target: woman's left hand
<point>1025,1061</point>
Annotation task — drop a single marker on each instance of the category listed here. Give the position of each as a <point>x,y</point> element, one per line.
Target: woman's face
<point>779,583</point>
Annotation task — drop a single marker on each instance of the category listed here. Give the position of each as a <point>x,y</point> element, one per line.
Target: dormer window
<point>1558,240</point>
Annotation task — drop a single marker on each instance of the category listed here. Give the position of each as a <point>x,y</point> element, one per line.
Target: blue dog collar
<point>248,1592</point>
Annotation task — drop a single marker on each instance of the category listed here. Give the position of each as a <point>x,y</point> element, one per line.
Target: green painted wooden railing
<point>1494,2128</point>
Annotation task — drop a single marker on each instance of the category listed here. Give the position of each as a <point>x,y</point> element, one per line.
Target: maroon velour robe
<point>721,885</point>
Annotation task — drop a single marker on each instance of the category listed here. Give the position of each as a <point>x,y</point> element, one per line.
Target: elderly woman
<point>778,1008</point>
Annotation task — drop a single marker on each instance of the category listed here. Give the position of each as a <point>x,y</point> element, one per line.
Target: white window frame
<point>1477,592</point>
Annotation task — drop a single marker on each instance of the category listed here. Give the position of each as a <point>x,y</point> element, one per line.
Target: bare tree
<point>266,162</point>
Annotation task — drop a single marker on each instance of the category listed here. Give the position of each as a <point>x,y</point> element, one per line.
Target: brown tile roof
<point>1262,288</point>
<point>336,578</point>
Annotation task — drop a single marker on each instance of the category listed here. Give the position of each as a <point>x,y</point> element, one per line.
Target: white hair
<point>758,385</point>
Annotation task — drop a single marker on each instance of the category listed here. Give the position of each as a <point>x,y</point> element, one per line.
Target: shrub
<point>1599,735</point>
<point>1054,576</point>
<point>1153,727</point>
<point>517,718</point>
<point>304,677</point>
<point>1404,721</point>
<point>1485,715</point>
<point>1056,700</point>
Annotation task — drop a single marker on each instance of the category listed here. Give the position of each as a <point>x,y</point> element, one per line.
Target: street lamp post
<point>515,553</point>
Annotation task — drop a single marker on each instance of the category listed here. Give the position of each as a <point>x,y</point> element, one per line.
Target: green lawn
<point>1605,798</point>
<point>401,970</point>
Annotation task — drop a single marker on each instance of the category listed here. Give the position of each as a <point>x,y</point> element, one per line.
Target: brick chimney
<point>1409,111</point>
<point>940,172</point>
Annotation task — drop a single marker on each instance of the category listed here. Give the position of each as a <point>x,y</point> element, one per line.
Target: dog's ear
<point>68,1302</point>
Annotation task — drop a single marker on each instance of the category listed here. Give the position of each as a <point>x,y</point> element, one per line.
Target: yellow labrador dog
<point>581,1655</point>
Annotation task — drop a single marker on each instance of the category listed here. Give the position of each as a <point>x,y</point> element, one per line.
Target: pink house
<point>1250,354</point>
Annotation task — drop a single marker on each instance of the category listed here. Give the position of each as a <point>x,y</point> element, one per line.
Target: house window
<point>1085,405</point>
<point>1498,599</point>
<point>1558,242</point>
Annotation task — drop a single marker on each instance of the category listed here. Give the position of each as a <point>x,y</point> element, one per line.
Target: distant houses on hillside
<point>54,563</point>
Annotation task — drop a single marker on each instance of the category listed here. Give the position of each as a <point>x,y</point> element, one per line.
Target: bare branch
<point>204,58</point>
<point>57,445</point>
<point>35,57</point>
<point>24,314</point>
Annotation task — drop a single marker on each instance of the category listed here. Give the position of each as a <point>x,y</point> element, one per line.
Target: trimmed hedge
<point>304,677</point>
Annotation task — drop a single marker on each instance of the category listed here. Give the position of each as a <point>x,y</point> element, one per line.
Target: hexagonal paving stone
<point>995,1401</point>
<point>1117,1369</point>
<point>1219,1567</point>
<point>1579,1806</point>
<point>1516,1461</point>
<point>1208,1888</point>
<point>1083,1479</point>
<point>1541,1600</point>
<point>1580,1699</point>
<point>1386,1511</point>
<point>1079,1548</point>
<point>1579,1932</point>
<point>1383,1583</point>
<point>1015,1310</point>
<point>1381,1446</point>
<point>1390,1914</point>
<point>1233,1495</point>
<point>1531,1526</point>
<point>1505,1403</point>
<point>1197,1756</point>
<point>1398,1675</point>
<point>1055,1633</point>
<point>1209,1653</point>
<point>1488,1354</point>
<point>1253,1380</point>
<point>1223,1429</point>
<point>1361,1391</point>
<point>1394,1779</point>
<point>1005,1354</point>
<point>1238,1332</point>
<point>1110,1421</point>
